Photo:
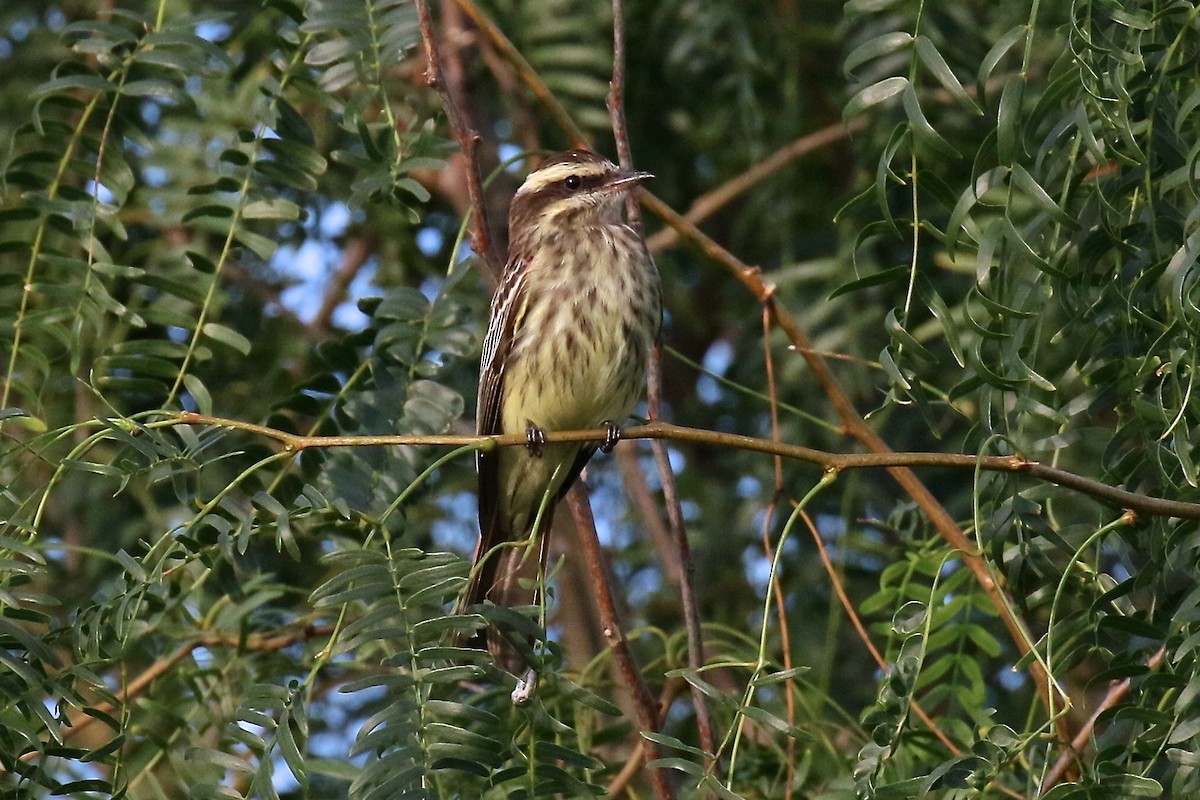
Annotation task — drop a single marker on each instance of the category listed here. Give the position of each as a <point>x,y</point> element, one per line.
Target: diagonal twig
<point>709,203</point>
<point>468,139</point>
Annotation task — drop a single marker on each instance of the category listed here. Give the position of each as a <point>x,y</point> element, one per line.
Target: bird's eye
<point>573,182</point>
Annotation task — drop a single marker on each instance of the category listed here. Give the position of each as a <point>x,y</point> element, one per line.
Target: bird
<point>573,320</point>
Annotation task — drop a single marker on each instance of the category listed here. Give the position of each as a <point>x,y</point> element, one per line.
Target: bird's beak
<point>627,179</point>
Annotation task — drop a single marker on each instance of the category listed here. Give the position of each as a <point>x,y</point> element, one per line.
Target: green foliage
<point>199,606</point>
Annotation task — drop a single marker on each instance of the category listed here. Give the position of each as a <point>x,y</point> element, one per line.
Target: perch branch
<point>1145,505</point>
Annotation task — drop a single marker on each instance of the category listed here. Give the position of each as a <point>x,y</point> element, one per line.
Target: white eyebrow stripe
<point>557,172</point>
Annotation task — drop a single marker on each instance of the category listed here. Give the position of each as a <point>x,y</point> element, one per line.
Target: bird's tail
<point>501,576</point>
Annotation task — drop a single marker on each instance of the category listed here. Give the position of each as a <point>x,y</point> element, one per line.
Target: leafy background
<point>254,211</point>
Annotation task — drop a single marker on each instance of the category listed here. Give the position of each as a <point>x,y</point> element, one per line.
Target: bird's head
<point>577,187</point>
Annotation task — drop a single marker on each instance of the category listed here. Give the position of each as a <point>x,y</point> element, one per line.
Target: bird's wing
<point>507,309</point>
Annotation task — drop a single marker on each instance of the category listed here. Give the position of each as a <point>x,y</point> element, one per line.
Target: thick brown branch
<point>647,706</point>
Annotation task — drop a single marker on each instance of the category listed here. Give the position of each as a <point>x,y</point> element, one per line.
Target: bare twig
<point>616,109</point>
<point>687,594</point>
<point>525,72</point>
<point>708,204</point>
<point>635,485</point>
<point>687,586</point>
<point>785,636</point>
<point>468,140</point>
<point>644,702</point>
<point>838,589</point>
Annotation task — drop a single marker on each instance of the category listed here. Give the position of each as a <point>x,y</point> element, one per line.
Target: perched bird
<point>573,321</point>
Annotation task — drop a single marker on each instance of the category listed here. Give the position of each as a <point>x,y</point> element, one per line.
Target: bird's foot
<point>612,435</point>
<point>535,437</point>
<point>526,686</point>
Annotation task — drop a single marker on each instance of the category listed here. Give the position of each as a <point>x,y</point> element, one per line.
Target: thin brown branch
<point>857,427</point>
<point>1117,690</point>
<point>785,635</point>
<point>468,139</point>
<point>525,72</point>
<point>709,203</point>
<point>1141,504</point>
<point>644,702</point>
<point>860,629</point>
<point>687,586</point>
<point>616,109</point>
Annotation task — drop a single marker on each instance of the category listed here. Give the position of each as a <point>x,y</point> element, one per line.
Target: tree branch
<point>468,140</point>
<point>616,109</point>
<point>687,586</point>
<point>709,203</point>
<point>852,420</point>
<point>1145,505</point>
<point>525,72</point>
<point>857,427</point>
<point>644,702</point>
<point>636,487</point>
<point>355,254</point>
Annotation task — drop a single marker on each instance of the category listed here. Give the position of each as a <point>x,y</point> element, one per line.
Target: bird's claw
<point>535,437</point>
<point>526,686</point>
<point>612,435</point>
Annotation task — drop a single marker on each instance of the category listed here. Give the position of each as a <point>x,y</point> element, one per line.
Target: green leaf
<point>1008,121</point>
<point>880,278</point>
<point>998,51</point>
<point>873,95</point>
<point>923,131</point>
<point>227,336</point>
<point>885,44</point>
<point>276,208</point>
<point>935,63</point>
<point>211,210</point>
